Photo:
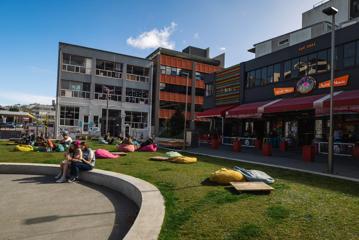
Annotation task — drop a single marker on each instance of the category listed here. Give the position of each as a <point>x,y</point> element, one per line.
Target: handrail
<point>108,73</point>
<point>75,93</point>
<point>112,97</point>
<point>138,78</point>
<point>74,68</point>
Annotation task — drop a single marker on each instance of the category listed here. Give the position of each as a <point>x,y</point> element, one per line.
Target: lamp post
<point>331,11</point>
<point>107,97</point>
<point>185,113</point>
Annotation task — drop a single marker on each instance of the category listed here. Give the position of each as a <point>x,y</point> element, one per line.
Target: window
<point>357,60</point>
<point>283,42</point>
<point>312,64</point>
<point>136,96</point>
<point>75,89</point>
<point>287,70</point>
<point>349,55</point>
<point>276,73</point>
<point>258,77</point>
<point>201,76</point>
<point>95,120</point>
<point>114,94</point>
<point>108,69</point>
<point>137,73</point>
<point>303,66</point>
<point>209,90</point>
<point>270,74</point>
<point>322,63</point>
<point>78,64</point>
<point>177,72</point>
<point>250,79</point>
<point>264,76</point>
<point>69,116</point>
<point>295,69</point>
<point>354,9</point>
<point>136,119</point>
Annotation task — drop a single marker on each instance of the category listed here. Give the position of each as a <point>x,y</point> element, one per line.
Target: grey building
<point>85,75</point>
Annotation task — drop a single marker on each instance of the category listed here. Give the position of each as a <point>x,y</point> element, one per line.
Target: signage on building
<point>283,90</point>
<point>338,82</point>
<point>306,46</point>
<point>306,85</point>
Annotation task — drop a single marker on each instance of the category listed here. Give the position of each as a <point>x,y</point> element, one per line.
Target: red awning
<point>215,112</point>
<point>249,110</point>
<point>347,101</point>
<point>293,104</point>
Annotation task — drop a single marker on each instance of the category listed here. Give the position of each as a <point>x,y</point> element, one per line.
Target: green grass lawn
<point>302,206</point>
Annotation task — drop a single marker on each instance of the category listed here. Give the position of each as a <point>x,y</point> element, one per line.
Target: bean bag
<point>50,144</point>
<point>183,159</point>
<point>103,153</point>
<point>59,148</point>
<point>126,148</point>
<point>148,148</point>
<point>24,148</point>
<point>225,176</point>
<point>254,175</point>
<point>173,154</point>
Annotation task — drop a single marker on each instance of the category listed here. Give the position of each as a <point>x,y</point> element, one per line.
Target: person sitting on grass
<point>66,141</point>
<point>74,154</point>
<point>87,163</point>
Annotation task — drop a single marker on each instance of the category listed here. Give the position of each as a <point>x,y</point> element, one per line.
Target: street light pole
<point>185,114</point>
<point>331,11</point>
<point>107,96</point>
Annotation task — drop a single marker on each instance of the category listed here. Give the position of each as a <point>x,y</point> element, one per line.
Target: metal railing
<point>108,73</point>
<point>339,149</point>
<point>138,78</point>
<point>112,97</point>
<point>74,94</point>
<point>137,125</point>
<point>74,68</point>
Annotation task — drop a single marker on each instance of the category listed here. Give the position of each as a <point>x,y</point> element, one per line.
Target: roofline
<point>171,52</point>
<point>229,68</point>
<point>100,50</point>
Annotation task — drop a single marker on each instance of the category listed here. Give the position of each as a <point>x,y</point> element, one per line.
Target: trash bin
<point>258,143</point>
<point>215,143</point>
<point>283,146</point>
<point>267,149</point>
<point>308,153</point>
<point>236,146</point>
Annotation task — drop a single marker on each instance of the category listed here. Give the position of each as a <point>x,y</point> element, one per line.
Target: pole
<point>107,95</point>
<point>331,125</point>
<point>222,128</point>
<point>185,115</point>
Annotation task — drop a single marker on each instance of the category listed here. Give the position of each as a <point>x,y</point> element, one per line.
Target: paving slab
<point>35,207</point>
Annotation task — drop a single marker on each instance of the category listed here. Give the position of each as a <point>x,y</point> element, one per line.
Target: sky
<point>30,31</point>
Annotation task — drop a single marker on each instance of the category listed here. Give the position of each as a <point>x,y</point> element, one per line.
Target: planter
<point>215,143</point>
<point>283,146</point>
<point>236,146</point>
<point>267,149</point>
<point>308,153</point>
<point>258,144</point>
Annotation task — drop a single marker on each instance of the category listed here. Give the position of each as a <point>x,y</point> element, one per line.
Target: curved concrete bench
<point>146,196</point>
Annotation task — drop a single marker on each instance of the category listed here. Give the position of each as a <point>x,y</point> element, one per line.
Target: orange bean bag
<point>126,148</point>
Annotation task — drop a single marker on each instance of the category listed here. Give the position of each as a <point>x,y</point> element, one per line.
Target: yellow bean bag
<point>225,176</point>
<point>24,148</point>
<point>183,159</point>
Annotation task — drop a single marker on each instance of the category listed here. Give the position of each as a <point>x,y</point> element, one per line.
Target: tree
<point>176,122</point>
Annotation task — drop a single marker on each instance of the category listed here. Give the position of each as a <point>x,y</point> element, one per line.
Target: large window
<point>357,58</point>
<point>137,73</point>
<point>69,116</point>
<point>287,70</point>
<point>322,63</point>
<point>312,64</point>
<point>349,55</point>
<point>78,64</point>
<point>276,74</point>
<point>137,120</point>
<point>75,89</point>
<point>108,69</point>
<point>173,71</point>
<point>114,92</point>
<point>209,90</point>
<point>137,96</point>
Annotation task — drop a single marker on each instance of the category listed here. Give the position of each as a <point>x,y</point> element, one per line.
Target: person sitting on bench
<point>86,164</point>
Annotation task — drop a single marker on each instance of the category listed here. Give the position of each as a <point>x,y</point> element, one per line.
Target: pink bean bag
<point>126,148</point>
<point>148,148</point>
<point>103,153</point>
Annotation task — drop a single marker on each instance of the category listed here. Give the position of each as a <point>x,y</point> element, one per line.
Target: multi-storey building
<point>90,81</point>
<point>175,71</point>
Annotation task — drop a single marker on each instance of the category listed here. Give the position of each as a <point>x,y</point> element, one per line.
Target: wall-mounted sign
<point>306,46</point>
<point>338,82</point>
<point>282,91</point>
<point>306,84</point>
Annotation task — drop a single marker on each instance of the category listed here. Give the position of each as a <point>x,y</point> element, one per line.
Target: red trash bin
<point>236,146</point>
<point>283,146</point>
<point>308,153</point>
<point>215,143</point>
<point>267,149</point>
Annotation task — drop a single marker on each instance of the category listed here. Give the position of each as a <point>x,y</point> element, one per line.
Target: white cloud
<point>154,38</point>
<point>196,35</point>
<point>222,49</point>
<point>11,97</point>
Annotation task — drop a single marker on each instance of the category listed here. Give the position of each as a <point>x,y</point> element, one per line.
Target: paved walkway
<point>34,207</point>
<point>343,166</point>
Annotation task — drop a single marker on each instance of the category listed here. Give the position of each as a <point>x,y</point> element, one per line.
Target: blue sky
<point>30,32</point>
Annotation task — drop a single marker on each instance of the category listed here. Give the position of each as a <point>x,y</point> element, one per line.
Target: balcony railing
<point>137,125</point>
<point>138,100</point>
<point>74,94</point>
<point>75,68</point>
<point>108,73</point>
<point>112,97</point>
<point>138,78</point>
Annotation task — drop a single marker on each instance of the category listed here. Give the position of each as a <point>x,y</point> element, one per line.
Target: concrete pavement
<point>34,207</point>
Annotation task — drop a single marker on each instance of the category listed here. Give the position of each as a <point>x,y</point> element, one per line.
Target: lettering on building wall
<point>307,46</point>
